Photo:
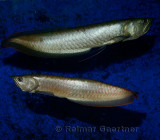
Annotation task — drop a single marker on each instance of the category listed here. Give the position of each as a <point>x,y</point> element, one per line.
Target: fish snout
<point>147,24</point>
<point>15,79</point>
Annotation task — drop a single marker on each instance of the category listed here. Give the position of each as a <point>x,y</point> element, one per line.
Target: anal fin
<point>114,103</point>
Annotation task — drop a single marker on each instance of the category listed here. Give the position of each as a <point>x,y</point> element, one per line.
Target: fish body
<point>77,40</point>
<point>82,91</point>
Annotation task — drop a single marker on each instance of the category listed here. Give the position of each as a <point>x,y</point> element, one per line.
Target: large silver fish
<point>82,91</point>
<point>79,39</point>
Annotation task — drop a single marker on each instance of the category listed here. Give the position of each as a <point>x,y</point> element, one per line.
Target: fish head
<point>26,83</point>
<point>137,27</point>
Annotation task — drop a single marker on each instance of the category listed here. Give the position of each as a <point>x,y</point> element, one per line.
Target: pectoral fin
<point>99,50</point>
<point>45,92</point>
<point>96,52</point>
<point>116,39</point>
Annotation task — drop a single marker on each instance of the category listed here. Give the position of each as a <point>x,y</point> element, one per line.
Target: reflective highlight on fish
<point>82,91</point>
<point>77,40</point>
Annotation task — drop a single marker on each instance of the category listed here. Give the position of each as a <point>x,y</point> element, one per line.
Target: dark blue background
<point>134,65</point>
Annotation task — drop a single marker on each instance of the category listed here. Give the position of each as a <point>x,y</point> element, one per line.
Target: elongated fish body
<point>79,39</point>
<point>82,91</point>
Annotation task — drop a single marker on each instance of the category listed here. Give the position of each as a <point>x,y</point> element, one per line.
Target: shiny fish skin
<point>82,91</point>
<point>78,39</point>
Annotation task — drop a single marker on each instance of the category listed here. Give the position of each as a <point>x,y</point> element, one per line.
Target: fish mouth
<point>16,82</point>
<point>148,23</point>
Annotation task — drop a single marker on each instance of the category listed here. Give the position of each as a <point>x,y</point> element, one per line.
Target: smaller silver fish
<point>82,91</point>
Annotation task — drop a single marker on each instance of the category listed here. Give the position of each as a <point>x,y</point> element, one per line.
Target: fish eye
<point>20,79</point>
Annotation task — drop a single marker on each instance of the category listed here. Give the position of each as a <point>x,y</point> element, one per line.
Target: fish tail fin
<point>4,42</point>
<point>2,45</point>
<point>135,95</point>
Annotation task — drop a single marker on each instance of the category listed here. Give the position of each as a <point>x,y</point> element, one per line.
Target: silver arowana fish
<point>77,40</point>
<point>82,91</point>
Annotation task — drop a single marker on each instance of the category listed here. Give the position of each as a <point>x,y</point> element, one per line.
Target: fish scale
<point>77,89</point>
